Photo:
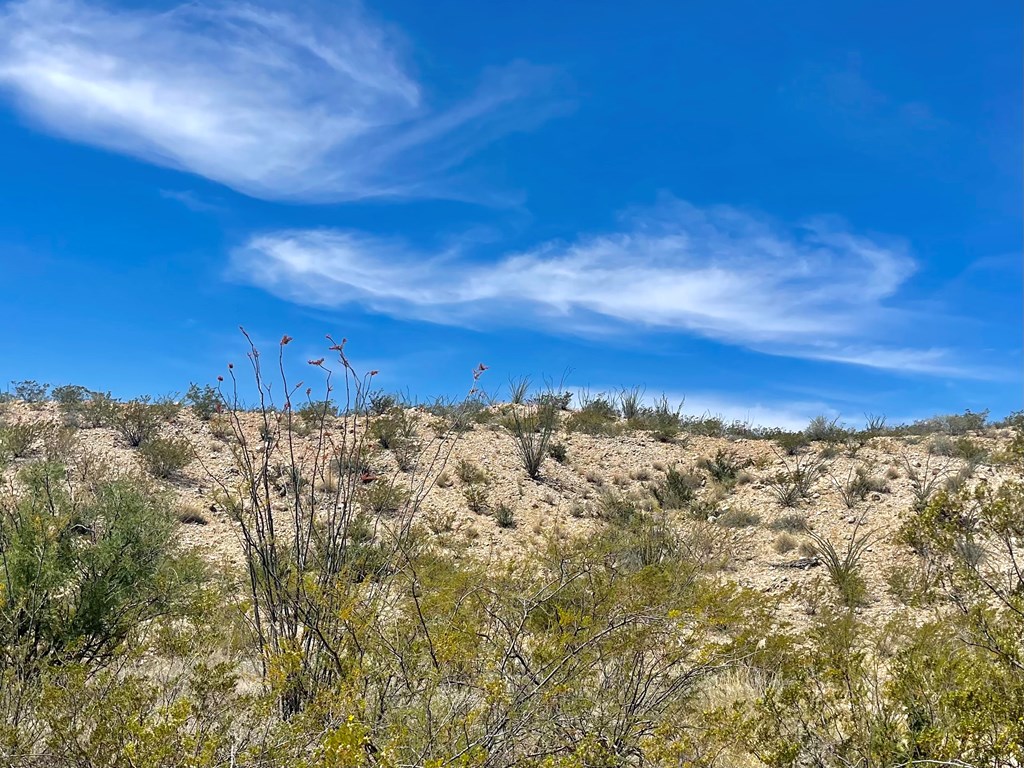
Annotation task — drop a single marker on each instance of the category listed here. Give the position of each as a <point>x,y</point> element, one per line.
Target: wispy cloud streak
<point>306,102</point>
<point>814,291</point>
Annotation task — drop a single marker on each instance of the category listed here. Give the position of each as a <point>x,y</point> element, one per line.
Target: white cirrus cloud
<point>816,291</point>
<point>307,102</point>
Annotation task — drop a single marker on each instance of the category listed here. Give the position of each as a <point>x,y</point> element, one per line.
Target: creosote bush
<point>17,439</point>
<point>677,490</point>
<point>84,569</point>
<point>164,457</point>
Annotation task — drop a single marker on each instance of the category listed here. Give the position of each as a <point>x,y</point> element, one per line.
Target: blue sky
<point>774,210</point>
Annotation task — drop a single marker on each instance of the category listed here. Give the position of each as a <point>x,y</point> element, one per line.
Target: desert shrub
<point>677,490</point>
<point>724,466</point>
<point>518,390</point>
<point>192,514</point>
<point>137,420</point>
<point>83,573</point>
<point>791,486</point>
<point>856,486</point>
<point>942,445</point>
<point>381,402</point>
<point>705,425</point>
<point>382,497</point>
<point>950,424</point>
<point>504,515</point>
<point>844,567</point>
<point>616,508</point>
<point>98,410</point>
<point>559,452</point>
<point>166,456</point>
<point>784,542</point>
<point>30,391</point>
<point>631,403</point>
<point>69,396</point>
<point>791,523</point>
<point>316,414</point>
<point>874,426</point>
<point>925,480</point>
<point>823,429</point>
<point>17,439</point>
<point>476,497</point>
<point>553,400</point>
<point>205,400</point>
<point>662,420</point>
<point>458,417</point>
<point>393,428</point>
<point>470,473</point>
<point>738,517</point>
<point>963,448</point>
<point>791,442</point>
<point>532,428</point>
<point>597,416</point>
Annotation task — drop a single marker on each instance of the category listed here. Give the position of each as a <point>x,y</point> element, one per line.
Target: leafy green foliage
<point>82,573</point>
<point>205,401</point>
<point>677,490</point>
<point>164,457</point>
<point>844,567</point>
<point>30,391</point>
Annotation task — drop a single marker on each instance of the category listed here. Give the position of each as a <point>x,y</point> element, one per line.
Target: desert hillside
<point>548,585</point>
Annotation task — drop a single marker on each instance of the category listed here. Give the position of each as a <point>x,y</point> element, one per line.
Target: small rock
<point>876,497</point>
<point>851,520</point>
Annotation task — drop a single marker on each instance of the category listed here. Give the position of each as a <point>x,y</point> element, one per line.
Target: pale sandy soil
<point>561,502</point>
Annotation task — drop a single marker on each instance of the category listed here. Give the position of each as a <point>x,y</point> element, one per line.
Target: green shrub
<point>166,456</point>
<point>596,417</point>
<point>394,428</point>
<point>381,403</point>
<point>823,429</point>
<point>138,420</point>
<point>69,396</point>
<point>791,442</point>
<point>476,498</point>
<point>631,403</point>
<point>384,498</point>
<point>677,490</point>
<point>518,389</point>
<point>662,421</point>
<point>794,484</point>
<point>857,485</point>
<point>30,391</point>
<point>792,523</point>
<point>724,466</point>
<point>99,410</point>
<point>616,509</point>
<point>532,428</point>
<point>844,568</point>
<point>737,517</point>
<point>469,473</point>
<point>205,400</point>
<point>559,452</point>
<point>83,573</point>
<point>17,439</point>
<point>504,515</point>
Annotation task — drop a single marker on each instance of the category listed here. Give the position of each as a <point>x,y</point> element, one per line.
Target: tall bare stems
<point>325,521</point>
